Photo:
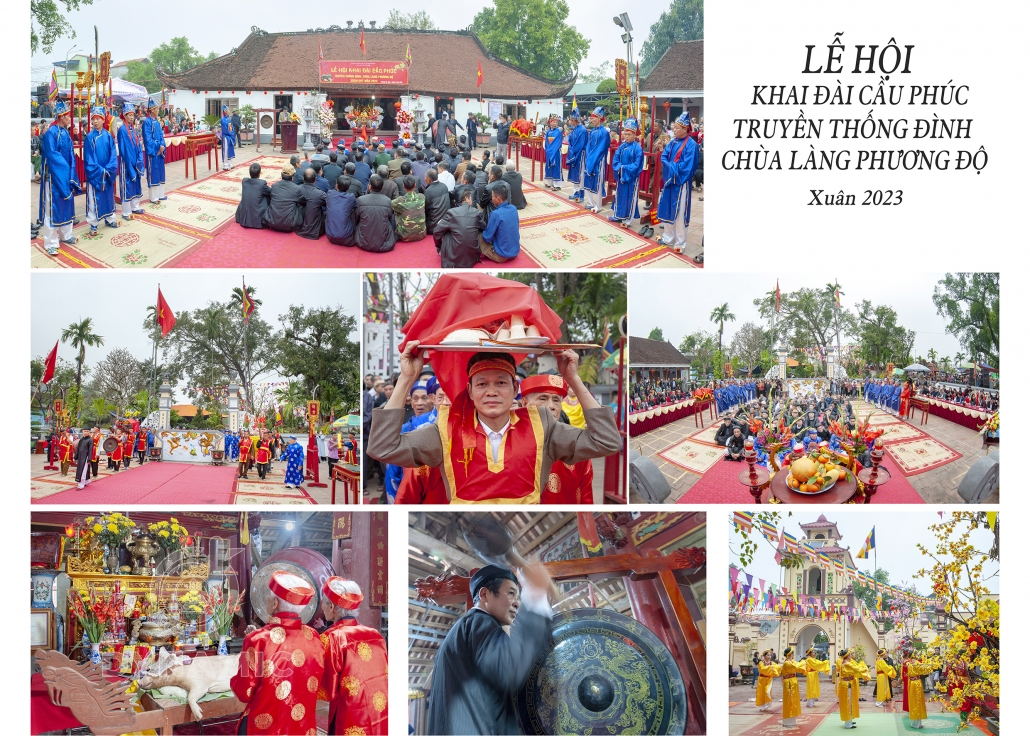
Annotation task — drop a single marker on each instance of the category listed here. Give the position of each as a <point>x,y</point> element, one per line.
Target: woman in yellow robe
<point>884,674</point>
<point>916,703</point>
<point>789,671</point>
<point>767,670</point>
<point>813,667</point>
<point>849,673</point>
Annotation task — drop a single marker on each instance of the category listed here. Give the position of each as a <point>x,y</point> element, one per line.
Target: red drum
<point>301,561</point>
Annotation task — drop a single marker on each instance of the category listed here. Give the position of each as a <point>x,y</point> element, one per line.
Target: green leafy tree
<point>417,21</point>
<point>586,302</point>
<point>807,318</point>
<point>747,345</point>
<point>533,35</point>
<point>80,335</point>
<point>316,345</point>
<point>883,339</point>
<point>701,346</point>
<point>49,24</point>
<point>171,57</point>
<point>683,21</point>
<point>721,315</point>
<point>100,410</point>
<point>597,74</point>
<point>656,334</point>
<point>117,379</point>
<point>143,74</point>
<point>971,304</point>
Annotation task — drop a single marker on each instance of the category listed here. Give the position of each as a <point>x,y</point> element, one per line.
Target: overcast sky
<point>118,302</point>
<point>593,19</point>
<point>681,303</point>
<point>896,536</point>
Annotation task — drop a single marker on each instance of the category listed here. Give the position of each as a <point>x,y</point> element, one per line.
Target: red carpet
<point>720,485</point>
<point>807,722</point>
<point>180,483</point>
<point>271,249</point>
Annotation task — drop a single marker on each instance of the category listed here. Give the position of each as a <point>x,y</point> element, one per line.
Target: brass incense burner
<point>143,549</point>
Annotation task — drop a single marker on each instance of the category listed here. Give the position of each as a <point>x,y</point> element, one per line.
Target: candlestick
<point>753,477</point>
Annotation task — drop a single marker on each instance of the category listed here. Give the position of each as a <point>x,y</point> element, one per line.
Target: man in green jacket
<point>410,212</point>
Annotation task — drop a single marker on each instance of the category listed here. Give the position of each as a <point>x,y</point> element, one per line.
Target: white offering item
<point>532,331</point>
<point>503,335</point>
<point>468,336</point>
<point>518,327</point>
<point>203,676</point>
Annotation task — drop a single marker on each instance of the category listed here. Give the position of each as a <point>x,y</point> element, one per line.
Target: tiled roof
<point>442,63</point>
<point>681,67</point>
<point>654,352</point>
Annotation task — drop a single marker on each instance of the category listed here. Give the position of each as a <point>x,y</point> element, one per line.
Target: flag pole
<point>153,360</point>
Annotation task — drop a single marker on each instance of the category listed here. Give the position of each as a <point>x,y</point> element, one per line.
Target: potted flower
<point>191,606</point>
<point>111,530</point>
<point>170,535</point>
<point>220,609</point>
<point>248,117</point>
<point>94,612</point>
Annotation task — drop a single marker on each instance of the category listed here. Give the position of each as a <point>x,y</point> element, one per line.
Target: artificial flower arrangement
<point>111,529</point>
<point>772,435</point>
<point>326,116</point>
<point>404,117</point>
<point>294,117</point>
<point>222,608</point>
<point>191,605</point>
<point>94,611</point>
<point>855,441</point>
<point>703,394</point>
<point>170,535</point>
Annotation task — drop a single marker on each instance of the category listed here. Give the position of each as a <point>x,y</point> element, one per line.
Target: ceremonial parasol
<point>916,368</point>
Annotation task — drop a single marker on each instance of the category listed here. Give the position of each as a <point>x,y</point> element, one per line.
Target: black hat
<point>486,574</point>
<point>427,371</point>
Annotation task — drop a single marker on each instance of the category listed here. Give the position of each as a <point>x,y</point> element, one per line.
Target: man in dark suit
<point>375,221</point>
<point>83,454</point>
<point>284,203</point>
<point>514,181</point>
<point>471,127</point>
<point>457,232</point>
<point>438,200</point>
<point>313,206</point>
<point>332,170</point>
<point>254,199</point>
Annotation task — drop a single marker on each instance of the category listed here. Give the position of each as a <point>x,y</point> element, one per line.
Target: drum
<point>603,673</point>
<point>306,563</point>
<point>110,444</point>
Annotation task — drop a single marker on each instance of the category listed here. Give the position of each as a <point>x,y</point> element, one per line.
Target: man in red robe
<point>141,447</point>
<point>64,451</point>
<point>567,484</point>
<point>355,679</point>
<point>116,454</point>
<point>281,665</point>
<point>264,455</point>
<point>127,445</point>
<point>245,445</point>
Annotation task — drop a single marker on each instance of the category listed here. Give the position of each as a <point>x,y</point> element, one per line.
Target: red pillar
<point>355,564</point>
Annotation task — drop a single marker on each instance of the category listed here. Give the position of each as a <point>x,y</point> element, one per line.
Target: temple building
<point>656,360</point>
<point>431,69</point>
<point>678,80</point>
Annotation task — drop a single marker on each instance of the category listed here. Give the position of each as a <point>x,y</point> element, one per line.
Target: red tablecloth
<point>45,715</point>
<point>957,414</point>
<point>639,423</point>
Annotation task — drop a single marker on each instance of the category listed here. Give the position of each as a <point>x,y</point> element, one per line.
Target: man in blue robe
<point>130,165</point>
<point>627,163</point>
<point>228,141</point>
<point>574,156</point>
<point>294,461</point>
<point>101,161</point>
<point>679,161</point>
<point>423,403</point>
<point>154,145</point>
<point>595,160</point>
<point>59,182</point>
<point>552,153</point>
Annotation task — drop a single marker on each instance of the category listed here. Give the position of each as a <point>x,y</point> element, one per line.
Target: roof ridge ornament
<point>255,31</point>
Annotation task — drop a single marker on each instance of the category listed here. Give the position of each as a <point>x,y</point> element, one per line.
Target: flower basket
<point>111,529</point>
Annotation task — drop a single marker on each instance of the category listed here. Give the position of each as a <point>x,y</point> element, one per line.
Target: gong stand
<point>661,604</point>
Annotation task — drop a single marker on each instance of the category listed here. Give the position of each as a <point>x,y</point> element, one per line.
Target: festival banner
<point>363,72</point>
<point>342,524</point>
<point>622,77</point>
<point>380,560</point>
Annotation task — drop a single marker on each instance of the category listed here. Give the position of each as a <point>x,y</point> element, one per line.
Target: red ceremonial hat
<point>291,588</point>
<point>340,597</point>
<point>550,384</point>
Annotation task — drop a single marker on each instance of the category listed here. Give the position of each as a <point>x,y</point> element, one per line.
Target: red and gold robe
<point>570,484</point>
<point>95,454</point>
<point>355,679</point>
<point>281,668</point>
<point>422,485</point>
<point>141,442</point>
<point>244,449</point>
<point>264,453</point>
<point>64,449</point>
<point>472,472</point>
<point>116,453</point>
<point>127,446</point>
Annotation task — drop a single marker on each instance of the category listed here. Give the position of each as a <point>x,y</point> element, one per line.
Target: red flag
<point>362,44</point>
<point>479,74</point>
<point>51,364</point>
<point>777,296</point>
<point>165,315</point>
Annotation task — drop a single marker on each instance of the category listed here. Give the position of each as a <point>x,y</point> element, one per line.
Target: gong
<point>603,673</point>
<point>110,444</point>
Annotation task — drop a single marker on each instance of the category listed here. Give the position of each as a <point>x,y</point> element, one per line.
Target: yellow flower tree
<point>970,649</point>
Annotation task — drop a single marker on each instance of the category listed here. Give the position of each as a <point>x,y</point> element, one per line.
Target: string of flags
<point>783,540</point>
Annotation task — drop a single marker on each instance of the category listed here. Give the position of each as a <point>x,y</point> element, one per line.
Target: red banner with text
<point>363,72</point>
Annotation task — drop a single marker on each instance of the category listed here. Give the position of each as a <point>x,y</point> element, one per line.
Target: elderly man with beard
<point>480,666</point>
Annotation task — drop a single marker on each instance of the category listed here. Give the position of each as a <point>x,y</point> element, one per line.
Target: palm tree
<point>237,297</point>
<point>101,409</point>
<point>931,355</point>
<point>722,315</point>
<point>832,290</point>
<point>80,334</point>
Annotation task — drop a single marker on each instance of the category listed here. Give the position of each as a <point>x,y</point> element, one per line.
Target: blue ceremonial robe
<point>59,180</point>
<point>101,161</point>
<point>294,464</point>
<point>130,170</point>
<point>228,139</point>
<point>679,161</point>
<point>395,473</point>
<point>232,448</point>
<point>574,156</point>
<point>595,163</point>
<point>153,140</point>
<point>896,398</point>
<point>627,162</point>
<point>552,153</point>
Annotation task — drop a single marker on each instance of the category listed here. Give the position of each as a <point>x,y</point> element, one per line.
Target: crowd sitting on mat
<point>369,199</point>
